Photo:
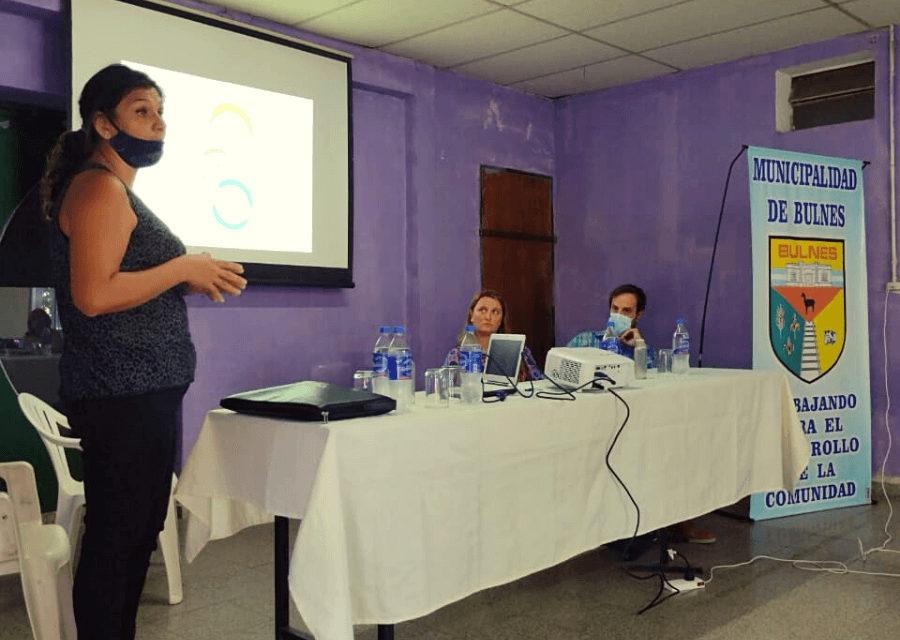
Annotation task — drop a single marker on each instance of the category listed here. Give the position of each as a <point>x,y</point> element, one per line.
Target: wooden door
<point>517,244</point>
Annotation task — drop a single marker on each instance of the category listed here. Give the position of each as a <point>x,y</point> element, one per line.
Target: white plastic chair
<point>43,556</point>
<point>9,550</point>
<point>70,497</point>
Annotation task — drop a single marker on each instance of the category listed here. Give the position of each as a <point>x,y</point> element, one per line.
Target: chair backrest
<point>9,541</point>
<point>22,491</point>
<point>48,421</point>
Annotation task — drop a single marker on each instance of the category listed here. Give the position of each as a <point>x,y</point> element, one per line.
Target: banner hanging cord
<point>713,259</point>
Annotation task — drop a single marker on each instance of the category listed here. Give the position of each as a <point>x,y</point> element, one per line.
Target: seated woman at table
<point>487,311</point>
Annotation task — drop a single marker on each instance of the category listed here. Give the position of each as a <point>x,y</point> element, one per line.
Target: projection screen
<point>257,166</point>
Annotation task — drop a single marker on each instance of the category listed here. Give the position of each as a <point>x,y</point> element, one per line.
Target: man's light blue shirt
<point>594,339</point>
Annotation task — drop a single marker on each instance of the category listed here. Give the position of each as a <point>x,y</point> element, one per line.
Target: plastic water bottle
<point>640,359</point>
<point>379,361</point>
<point>471,359</point>
<point>681,349</point>
<point>399,359</point>
<point>610,341</point>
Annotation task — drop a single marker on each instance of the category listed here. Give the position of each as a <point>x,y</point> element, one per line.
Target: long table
<point>405,513</point>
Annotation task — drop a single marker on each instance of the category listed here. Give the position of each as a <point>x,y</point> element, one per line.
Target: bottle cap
<point>399,329</point>
<point>384,329</point>
<point>680,320</point>
<point>470,328</point>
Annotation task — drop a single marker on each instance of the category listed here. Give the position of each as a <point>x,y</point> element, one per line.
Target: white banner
<point>810,316</point>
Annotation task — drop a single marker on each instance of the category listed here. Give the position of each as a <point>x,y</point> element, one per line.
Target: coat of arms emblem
<point>807,313</point>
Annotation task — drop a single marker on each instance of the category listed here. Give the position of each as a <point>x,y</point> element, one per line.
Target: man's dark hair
<point>630,288</point>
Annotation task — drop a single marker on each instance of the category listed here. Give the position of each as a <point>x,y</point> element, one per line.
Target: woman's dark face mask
<point>136,152</point>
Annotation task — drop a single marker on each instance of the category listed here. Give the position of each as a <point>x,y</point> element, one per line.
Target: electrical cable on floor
<point>834,566</point>
<point>687,563</point>
<point>887,409</point>
<point>657,600</point>
<point>663,580</point>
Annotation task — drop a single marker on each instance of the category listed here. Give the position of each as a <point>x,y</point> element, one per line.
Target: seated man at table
<point>626,305</point>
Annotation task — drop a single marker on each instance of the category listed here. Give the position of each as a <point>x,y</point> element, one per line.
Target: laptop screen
<point>504,357</point>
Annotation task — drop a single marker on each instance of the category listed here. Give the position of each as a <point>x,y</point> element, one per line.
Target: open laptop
<point>504,357</point>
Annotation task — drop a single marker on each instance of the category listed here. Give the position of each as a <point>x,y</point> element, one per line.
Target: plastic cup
<point>453,383</point>
<point>436,396</point>
<point>362,379</point>
<point>664,361</point>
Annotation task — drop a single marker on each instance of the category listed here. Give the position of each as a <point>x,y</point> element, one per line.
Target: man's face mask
<point>621,323</point>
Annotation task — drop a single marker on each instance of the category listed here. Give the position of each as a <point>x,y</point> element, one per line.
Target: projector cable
<point>637,509</point>
<point>569,394</point>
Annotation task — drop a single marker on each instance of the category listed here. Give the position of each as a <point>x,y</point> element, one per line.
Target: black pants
<point>129,447</point>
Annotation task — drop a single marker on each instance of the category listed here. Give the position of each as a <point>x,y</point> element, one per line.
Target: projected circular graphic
<point>228,212</point>
<point>220,219</point>
<point>233,108</point>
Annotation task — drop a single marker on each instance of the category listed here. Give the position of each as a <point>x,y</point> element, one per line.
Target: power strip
<point>683,585</point>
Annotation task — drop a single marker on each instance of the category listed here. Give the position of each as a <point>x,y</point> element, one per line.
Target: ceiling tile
<point>583,14</point>
<point>283,11</point>
<point>813,26</point>
<point>373,23</point>
<point>475,39</point>
<point>541,59</point>
<point>594,77</point>
<point>878,13</point>
<point>694,19</point>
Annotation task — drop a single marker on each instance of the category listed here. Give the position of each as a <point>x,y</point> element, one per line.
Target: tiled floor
<point>228,591</point>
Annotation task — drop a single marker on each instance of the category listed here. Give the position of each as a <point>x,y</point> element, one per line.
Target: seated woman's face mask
<point>621,323</point>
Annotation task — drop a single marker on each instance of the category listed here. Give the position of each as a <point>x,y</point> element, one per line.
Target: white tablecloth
<point>410,512</point>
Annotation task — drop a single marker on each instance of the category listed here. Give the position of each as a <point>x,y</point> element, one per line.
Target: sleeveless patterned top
<point>128,352</point>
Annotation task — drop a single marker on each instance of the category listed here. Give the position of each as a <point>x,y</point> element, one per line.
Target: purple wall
<point>640,174</point>
<point>420,136</point>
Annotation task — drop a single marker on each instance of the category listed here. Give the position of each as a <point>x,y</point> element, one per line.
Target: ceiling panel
<point>373,23</point>
<point>694,19</point>
<point>878,13</point>
<point>532,43</point>
<point>579,15</point>
<point>283,11</point>
<point>476,39</point>
<point>595,77</point>
<point>812,26</point>
<point>561,54</point>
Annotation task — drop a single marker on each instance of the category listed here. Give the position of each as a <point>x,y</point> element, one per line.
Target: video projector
<point>574,367</point>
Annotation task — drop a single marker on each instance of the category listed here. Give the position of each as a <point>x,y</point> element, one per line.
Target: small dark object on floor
<point>631,549</point>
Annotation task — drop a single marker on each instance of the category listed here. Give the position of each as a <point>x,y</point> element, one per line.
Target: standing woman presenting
<point>120,276</point>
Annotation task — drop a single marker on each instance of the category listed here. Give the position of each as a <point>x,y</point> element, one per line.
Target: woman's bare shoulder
<point>95,192</point>
<point>95,183</point>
